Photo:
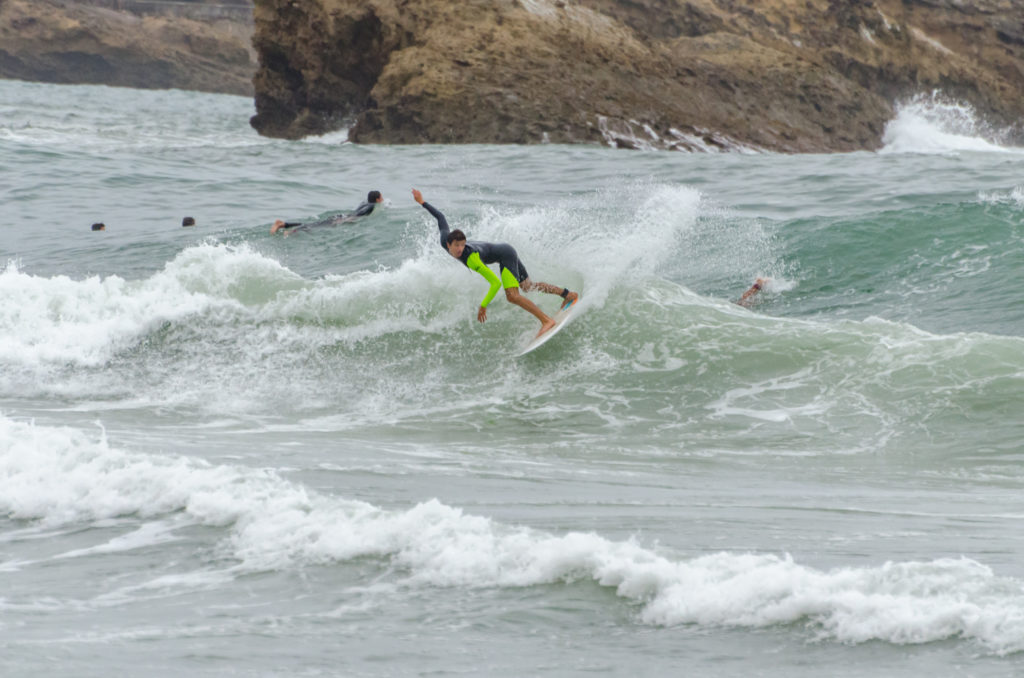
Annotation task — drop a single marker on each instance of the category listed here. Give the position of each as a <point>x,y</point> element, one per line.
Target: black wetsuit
<point>364,209</point>
<point>476,254</point>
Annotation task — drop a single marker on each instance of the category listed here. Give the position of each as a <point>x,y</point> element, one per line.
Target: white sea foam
<point>1014,196</point>
<point>607,252</point>
<point>63,320</point>
<point>60,320</point>
<point>776,285</point>
<point>61,476</point>
<point>336,138</point>
<point>935,125</point>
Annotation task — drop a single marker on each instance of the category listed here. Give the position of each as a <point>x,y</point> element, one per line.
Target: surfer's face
<point>455,248</point>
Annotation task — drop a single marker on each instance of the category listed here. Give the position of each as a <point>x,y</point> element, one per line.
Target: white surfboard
<point>561,320</point>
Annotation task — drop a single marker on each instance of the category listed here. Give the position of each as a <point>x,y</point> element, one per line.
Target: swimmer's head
<point>374,196</point>
<point>188,221</point>
<point>99,227</point>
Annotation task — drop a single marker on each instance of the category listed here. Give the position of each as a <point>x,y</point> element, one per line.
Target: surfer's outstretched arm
<point>442,223</point>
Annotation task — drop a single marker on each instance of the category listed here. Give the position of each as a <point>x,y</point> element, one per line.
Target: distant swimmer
<point>476,255</point>
<point>188,221</point>
<point>373,198</point>
<point>99,227</point>
<point>748,297</point>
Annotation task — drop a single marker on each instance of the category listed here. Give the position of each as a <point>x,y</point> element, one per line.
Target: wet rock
<point>818,75</point>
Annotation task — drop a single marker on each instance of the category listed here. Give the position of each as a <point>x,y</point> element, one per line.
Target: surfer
<point>373,198</point>
<point>476,255</point>
<point>748,297</point>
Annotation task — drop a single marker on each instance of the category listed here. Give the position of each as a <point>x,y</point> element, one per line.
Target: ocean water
<point>229,453</point>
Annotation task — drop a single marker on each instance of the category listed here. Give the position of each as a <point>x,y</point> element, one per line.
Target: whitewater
<point>224,452</point>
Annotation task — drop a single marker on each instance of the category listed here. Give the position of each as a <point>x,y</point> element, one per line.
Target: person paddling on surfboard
<point>476,255</point>
<point>365,209</point>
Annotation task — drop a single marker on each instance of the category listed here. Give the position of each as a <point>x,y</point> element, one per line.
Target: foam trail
<point>62,476</point>
<point>606,249</point>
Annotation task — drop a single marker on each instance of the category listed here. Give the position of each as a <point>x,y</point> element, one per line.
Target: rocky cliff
<point>788,75</point>
<point>65,41</point>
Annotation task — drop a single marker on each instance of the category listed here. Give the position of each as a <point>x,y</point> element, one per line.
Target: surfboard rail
<point>565,313</point>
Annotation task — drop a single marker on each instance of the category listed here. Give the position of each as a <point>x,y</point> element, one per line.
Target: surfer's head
<point>374,196</point>
<point>188,221</point>
<point>456,243</point>
<point>99,227</point>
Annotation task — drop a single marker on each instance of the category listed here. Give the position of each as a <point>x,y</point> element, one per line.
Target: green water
<point>225,451</point>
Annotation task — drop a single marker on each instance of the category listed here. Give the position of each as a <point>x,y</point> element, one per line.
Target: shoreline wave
<point>56,476</point>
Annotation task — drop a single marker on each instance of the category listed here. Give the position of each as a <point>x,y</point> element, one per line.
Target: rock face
<point>65,41</point>
<point>787,75</point>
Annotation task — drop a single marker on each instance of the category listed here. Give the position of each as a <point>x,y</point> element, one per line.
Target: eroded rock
<point>813,75</point>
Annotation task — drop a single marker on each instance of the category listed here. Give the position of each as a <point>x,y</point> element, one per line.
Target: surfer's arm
<point>442,223</point>
<point>475,263</point>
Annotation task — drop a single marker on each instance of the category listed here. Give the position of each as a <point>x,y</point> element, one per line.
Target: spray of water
<point>935,124</point>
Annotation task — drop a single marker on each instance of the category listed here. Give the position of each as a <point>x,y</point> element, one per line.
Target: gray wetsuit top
<point>489,252</point>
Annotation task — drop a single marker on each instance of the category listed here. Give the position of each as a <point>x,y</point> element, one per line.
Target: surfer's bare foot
<point>546,326</point>
<point>570,298</point>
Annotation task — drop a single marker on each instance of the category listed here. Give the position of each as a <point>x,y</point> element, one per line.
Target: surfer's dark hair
<point>456,236</point>
<point>98,227</point>
<point>372,196</point>
<point>188,221</point>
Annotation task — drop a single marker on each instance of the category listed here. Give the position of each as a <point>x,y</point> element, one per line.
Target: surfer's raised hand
<point>481,315</point>
<point>417,196</point>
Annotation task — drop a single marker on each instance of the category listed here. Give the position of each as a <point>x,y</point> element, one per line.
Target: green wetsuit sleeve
<point>474,263</point>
